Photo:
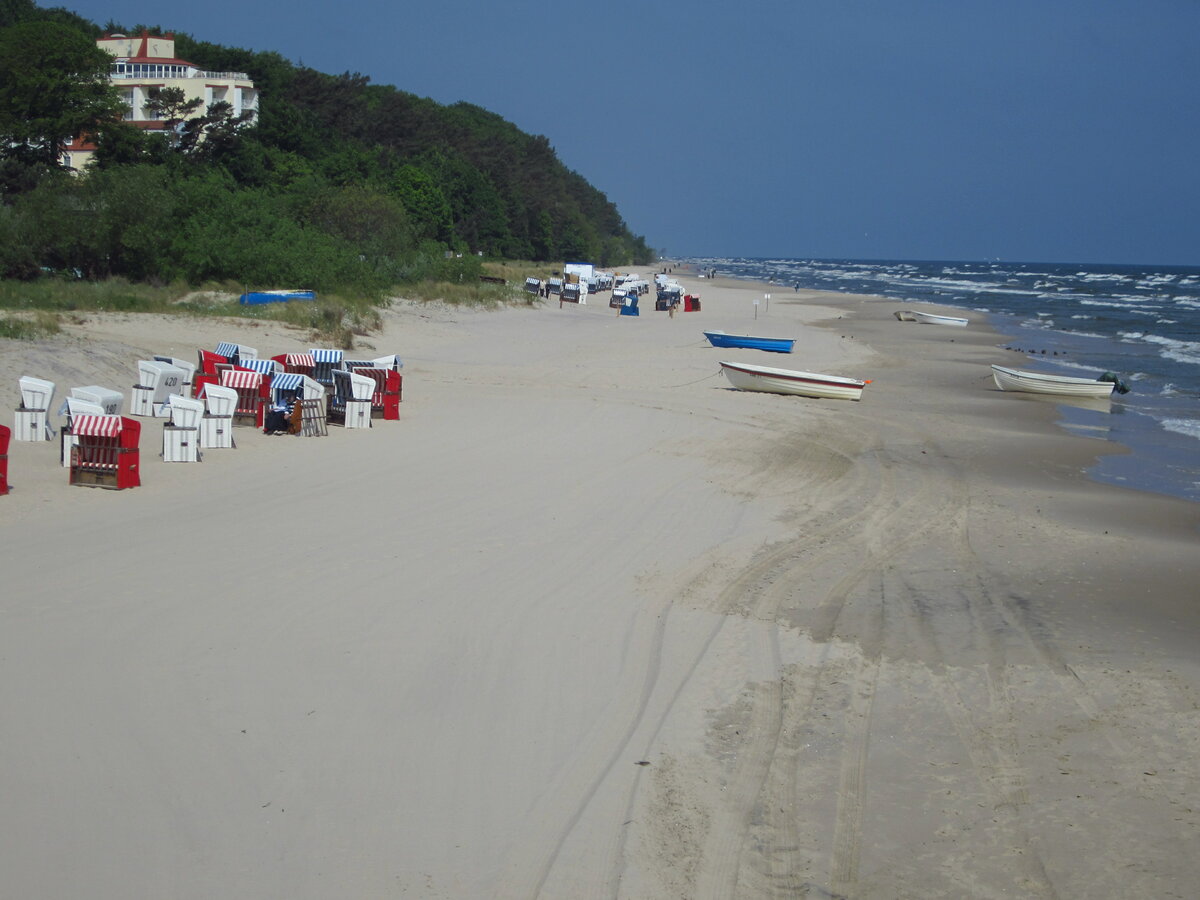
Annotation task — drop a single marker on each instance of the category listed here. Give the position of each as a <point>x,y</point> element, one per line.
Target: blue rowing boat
<point>749,342</point>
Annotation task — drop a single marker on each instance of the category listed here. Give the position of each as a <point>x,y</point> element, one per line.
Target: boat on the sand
<point>747,377</point>
<point>1061,385</point>
<point>912,315</point>
<point>750,342</point>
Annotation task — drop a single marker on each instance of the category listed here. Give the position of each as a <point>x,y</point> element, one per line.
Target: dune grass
<point>35,306</point>
<point>30,326</point>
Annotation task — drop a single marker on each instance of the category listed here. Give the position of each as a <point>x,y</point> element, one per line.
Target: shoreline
<point>1141,447</point>
<point>588,622</point>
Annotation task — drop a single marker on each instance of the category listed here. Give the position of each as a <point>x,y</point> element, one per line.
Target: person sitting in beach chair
<point>279,417</point>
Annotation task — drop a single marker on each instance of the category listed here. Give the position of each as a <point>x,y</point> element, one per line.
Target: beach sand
<point>586,622</point>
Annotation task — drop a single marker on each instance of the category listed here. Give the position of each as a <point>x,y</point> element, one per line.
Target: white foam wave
<point>1105,303</point>
<point>1190,427</point>
<point>1169,348</point>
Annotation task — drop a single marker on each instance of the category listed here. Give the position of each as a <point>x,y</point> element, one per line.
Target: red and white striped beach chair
<point>74,408</point>
<point>106,454</point>
<point>248,385</point>
<point>296,363</point>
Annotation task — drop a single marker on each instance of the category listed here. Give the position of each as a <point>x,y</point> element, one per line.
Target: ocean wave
<point>1179,351</point>
<point>1190,427</point>
<point>1170,348</point>
<point>1124,307</point>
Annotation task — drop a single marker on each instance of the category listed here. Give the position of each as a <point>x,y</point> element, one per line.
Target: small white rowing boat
<point>1061,385</point>
<point>930,319</point>
<point>746,377</point>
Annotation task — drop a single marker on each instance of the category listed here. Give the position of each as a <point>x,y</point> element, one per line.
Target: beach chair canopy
<point>189,368</point>
<point>110,400</point>
<point>155,374</point>
<point>233,352</point>
<point>185,412</point>
<point>36,393</point>
<point>73,407</point>
<point>220,401</point>
<point>294,382</point>
<point>97,426</point>
<point>240,378</point>
<point>324,362</point>
<point>209,361</point>
<point>352,386</point>
<point>262,366</point>
<point>299,359</point>
<point>391,361</point>
<point>379,379</point>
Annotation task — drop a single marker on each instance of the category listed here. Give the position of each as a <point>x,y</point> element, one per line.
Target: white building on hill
<point>145,63</point>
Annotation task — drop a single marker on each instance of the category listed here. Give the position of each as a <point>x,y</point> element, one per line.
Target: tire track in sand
<point>756,838</point>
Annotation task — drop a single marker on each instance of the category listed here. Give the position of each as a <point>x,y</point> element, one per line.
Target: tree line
<point>338,184</point>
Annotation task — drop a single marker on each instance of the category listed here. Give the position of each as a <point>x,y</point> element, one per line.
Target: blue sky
<point>899,129</point>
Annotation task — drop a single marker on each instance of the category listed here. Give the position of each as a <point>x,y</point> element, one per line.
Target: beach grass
<point>30,326</point>
<point>334,318</point>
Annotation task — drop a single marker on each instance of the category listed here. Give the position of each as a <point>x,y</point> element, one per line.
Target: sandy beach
<point>588,623</point>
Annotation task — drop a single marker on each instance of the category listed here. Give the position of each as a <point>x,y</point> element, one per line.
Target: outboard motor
<point>1121,386</point>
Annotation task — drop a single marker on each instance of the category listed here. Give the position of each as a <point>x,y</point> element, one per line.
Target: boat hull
<point>1057,385</point>
<point>749,342</point>
<point>786,381</point>
<point>931,319</point>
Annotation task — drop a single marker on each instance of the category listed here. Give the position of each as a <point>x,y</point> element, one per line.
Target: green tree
<point>53,86</point>
<point>171,106</point>
<point>14,11</point>
<point>426,204</point>
<point>376,224</point>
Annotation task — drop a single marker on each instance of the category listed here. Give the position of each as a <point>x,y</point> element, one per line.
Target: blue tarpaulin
<point>254,297</point>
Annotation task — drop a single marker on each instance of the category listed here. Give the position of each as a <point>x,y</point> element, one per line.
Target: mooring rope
<point>697,381</point>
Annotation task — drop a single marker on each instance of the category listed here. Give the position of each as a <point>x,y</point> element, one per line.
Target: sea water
<point>1140,322</point>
